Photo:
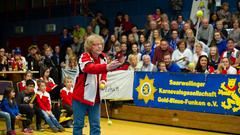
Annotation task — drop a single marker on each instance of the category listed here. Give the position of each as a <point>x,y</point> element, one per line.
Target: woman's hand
<point>113,65</point>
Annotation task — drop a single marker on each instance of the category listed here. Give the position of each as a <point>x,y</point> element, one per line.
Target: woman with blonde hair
<point>91,79</point>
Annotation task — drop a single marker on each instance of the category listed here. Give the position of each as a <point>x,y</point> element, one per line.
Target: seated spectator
<point>49,62</point>
<point>50,84</point>
<point>220,28</point>
<point>224,14</point>
<point>205,33</point>
<point>165,31</point>
<point>44,103</point>
<point>33,58</point>
<point>190,39</point>
<point>186,26</point>
<point>124,50</point>
<point>235,33</point>
<point>225,67</point>
<point>231,52</point>
<point>214,58</point>
<point>198,52</point>
<point>170,65</point>
<point>69,53</point>
<point>76,46</point>
<point>22,84</point>
<point>162,67</point>
<point>10,106</point>
<point>66,97</point>
<point>122,60</point>
<point>95,26</point>
<point>203,65</point>
<point>135,65</point>
<point>182,56</point>
<point>3,60</point>
<point>213,19</point>
<point>131,39</point>
<point>159,51</point>
<point>7,118</point>
<point>135,32</point>
<point>26,106</point>
<point>147,64</point>
<point>79,32</point>
<point>173,40</point>
<point>110,47</point>
<point>18,61</point>
<point>72,65</point>
<point>156,36</point>
<point>147,50</point>
<point>135,52</point>
<point>142,40</point>
<point>219,42</point>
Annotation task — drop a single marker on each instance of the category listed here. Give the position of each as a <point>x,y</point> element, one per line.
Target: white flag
<point>119,85</point>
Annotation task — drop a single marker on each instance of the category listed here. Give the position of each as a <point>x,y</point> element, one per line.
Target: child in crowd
<point>26,105</point>
<point>66,98</point>
<point>9,105</point>
<point>18,61</point>
<point>22,84</point>
<point>44,102</point>
<point>7,118</point>
<point>162,67</point>
<point>50,84</point>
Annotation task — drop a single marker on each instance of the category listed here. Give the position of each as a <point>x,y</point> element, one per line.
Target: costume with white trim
<point>92,71</point>
<point>43,100</point>
<point>66,96</point>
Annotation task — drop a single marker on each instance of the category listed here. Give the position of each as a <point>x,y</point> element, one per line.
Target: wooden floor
<point>132,128</point>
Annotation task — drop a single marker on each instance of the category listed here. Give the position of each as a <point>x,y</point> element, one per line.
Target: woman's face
<point>133,61</point>
<point>47,73</point>
<point>28,76</point>
<point>97,47</point>
<point>156,34</point>
<point>213,51</point>
<point>113,38</point>
<point>198,48</point>
<point>225,62</point>
<point>203,62</point>
<point>134,48</point>
<point>12,94</point>
<point>217,36</point>
<point>182,46</point>
<point>142,38</point>
<point>235,24</point>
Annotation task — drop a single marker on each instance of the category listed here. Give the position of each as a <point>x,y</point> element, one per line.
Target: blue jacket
<point>222,46</point>
<point>13,111</point>
<point>173,67</point>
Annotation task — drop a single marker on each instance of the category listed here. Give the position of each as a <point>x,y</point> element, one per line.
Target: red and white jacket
<point>43,101</point>
<point>92,71</point>
<point>22,86</point>
<point>233,56</point>
<point>50,84</point>
<point>66,96</point>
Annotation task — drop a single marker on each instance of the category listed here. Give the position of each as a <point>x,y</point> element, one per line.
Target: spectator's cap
<point>32,47</point>
<point>119,55</point>
<point>17,51</point>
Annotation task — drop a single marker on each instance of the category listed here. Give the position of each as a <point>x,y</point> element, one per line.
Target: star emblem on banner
<point>146,89</point>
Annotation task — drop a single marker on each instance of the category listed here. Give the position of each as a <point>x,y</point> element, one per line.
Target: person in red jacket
<point>44,103</point>
<point>93,69</point>
<point>66,98</point>
<point>50,84</point>
<point>22,84</point>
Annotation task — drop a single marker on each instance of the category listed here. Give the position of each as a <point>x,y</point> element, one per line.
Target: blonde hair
<point>90,40</point>
<point>131,56</point>
<point>67,78</point>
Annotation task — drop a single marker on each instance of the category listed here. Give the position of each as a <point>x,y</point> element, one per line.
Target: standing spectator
<point>65,41</point>
<point>33,58</point>
<point>205,33</point>
<point>165,31</point>
<point>127,24</point>
<point>76,46</point>
<point>160,51</point>
<point>147,64</point>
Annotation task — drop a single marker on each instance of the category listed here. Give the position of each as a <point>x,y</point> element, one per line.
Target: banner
<point>119,85</point>
<point>209,93</point>
<point>199,5</point>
